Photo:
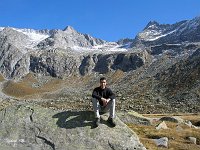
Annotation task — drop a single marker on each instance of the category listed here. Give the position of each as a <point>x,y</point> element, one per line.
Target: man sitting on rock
<point>103,100</point>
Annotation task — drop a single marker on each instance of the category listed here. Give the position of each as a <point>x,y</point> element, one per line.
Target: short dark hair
<point>102,78</point>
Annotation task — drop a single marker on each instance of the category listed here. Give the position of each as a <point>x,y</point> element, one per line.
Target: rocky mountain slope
<point>180,83</point>
<point>156,34</point>
<point>36,45</point>
<point>155,72</point>
<point>69,38</point>
<point>56,48</point>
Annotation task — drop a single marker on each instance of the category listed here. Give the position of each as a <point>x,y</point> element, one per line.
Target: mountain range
<point>159,67</point>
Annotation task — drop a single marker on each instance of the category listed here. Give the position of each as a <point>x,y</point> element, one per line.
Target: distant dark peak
<point>152,24</point>
<point>69,28</point>
<point>125,41</point>
<point>8,28</point>
<point>197,19</point>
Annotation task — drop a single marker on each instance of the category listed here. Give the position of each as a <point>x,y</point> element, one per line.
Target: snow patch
<point>153,39</point>
<point>108,47</point>
<point>1,28</point>
<point>33,35</point>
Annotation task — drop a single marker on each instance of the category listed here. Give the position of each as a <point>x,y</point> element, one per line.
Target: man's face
<point>103,84</point>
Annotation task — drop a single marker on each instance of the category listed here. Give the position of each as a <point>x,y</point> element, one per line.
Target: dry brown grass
<point>177,134</point>
<point>18,89</point>
<point>1,78</point>
<point>31,87</point>
<point>24,87</point>
<point>29,78</point>
<point>116,76</point>
<point>193,117</point>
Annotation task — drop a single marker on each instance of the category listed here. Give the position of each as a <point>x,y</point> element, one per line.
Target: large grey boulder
<point>32,127</point>
<point>134,118</point>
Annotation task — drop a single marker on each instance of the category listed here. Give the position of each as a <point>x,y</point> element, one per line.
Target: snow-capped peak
<point>151,24</point>
<point>186,30</point>
<point>35,35</point>
<point>70,30</point>
<point>1,28</point>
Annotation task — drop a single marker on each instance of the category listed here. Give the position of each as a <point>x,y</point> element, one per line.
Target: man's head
<point>103,82</point>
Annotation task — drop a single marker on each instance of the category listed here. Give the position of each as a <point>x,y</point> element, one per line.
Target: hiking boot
<point>111,122</point>
<point>97,122</point>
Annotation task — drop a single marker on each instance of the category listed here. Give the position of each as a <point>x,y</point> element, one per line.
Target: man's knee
<point>113,101</point>
<point>94,100</point>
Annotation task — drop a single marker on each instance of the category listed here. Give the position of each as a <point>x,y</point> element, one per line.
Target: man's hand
<point>105,101</point>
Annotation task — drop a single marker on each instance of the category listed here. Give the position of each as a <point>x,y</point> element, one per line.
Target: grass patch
<point>177,134</point>
<point>32,87</point>
<point>18,89</point>
<point>1,78</point>
<point>25,87</point>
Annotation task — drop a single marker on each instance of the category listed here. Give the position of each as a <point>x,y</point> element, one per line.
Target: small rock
<point>193,140</point>
<point>119,95</point>
<point>158,100</point>
<point>179,128</point>
<point>192,126</point>
<point>172,119</point>
<point>162,125</point>
<point>162,142</point>
<point>188,123</point>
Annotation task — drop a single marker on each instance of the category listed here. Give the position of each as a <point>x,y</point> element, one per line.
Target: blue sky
<point>109,20</point>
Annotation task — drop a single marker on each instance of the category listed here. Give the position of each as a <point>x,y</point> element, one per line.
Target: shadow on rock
<point>74,119</point>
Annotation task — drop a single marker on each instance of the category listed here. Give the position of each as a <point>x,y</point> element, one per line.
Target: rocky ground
<point>26,125</point>
<point>34,127</point>
<point>170,131</point>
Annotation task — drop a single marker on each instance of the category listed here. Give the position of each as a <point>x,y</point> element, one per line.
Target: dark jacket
<point>99,93</point>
